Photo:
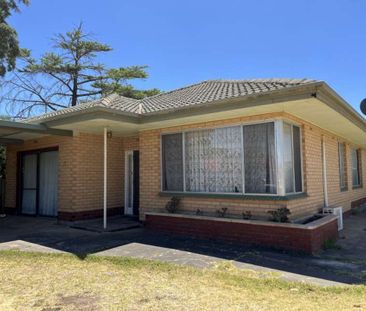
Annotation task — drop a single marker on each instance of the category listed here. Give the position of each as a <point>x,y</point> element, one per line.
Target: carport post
<point>105,181</point>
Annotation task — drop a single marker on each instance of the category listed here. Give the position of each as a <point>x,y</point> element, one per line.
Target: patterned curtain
<point>213,160</point>
<point>260,158</point>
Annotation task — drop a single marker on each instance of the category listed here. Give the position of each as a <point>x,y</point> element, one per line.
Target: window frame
<point>345,166</point>
<point>358,154</point>
<point>278,138</point>
<point>292,124</point>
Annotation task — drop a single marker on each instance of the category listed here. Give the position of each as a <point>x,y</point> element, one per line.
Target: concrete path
<point>45,235</point>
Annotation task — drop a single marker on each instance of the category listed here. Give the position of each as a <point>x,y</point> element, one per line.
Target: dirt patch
<point>84,302</point>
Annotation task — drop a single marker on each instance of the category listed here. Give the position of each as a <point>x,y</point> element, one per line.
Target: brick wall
<point>80,172</point>
<point>150,182</point>
<point>294,238</point>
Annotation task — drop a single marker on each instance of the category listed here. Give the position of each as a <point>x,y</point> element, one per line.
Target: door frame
<point>128,210</point>
<point>19,177</point>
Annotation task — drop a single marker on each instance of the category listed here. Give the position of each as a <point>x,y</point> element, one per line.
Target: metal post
<point>105,181</point>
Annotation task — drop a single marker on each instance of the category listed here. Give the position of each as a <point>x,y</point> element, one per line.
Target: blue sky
<point>188,41</point>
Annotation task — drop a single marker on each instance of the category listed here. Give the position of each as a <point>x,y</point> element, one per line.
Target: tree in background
<point>9,45</point>
<point>67,76</point>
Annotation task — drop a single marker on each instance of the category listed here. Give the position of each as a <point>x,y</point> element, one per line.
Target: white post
<point>105,181</point>
<point>325,180</point>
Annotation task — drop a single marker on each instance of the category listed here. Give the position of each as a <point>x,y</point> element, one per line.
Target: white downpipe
<point>105,180</point>
<point>325,180</point>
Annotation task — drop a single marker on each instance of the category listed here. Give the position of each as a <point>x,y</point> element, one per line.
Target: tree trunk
<point>74,97</point>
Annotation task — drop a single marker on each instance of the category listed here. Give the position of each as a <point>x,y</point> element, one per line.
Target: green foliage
<point>280,214</point>
<point>172,205</point>
<point>9,45</point>
<point>70,74</point>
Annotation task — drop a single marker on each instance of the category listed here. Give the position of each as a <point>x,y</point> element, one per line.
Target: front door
<point>129,183</point>
<point>39,183</point>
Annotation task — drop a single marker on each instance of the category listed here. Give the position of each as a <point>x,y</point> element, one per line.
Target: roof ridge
<point>258,80</point>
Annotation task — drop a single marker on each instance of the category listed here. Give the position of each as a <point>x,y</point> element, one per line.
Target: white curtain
<point>29,184</point>
<point>213,160</point>
<point>260,158</point>
<point>48,183</point>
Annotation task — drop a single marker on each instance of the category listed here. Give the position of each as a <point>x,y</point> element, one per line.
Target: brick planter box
<point>307,238</point>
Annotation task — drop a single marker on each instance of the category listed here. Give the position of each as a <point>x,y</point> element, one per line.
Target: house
<point>237,146</point>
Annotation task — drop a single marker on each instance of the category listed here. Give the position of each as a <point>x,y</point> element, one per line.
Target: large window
<point>342,166</point>
<point>356,177</point>
<point>237,159</point>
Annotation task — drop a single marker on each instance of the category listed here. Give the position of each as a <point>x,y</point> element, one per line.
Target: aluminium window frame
<point>278,137</point>
<point>358,154</point>
<point>345,166</point>
<point>292,124</point>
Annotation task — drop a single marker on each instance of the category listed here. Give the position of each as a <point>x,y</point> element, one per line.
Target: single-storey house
<point>233,148</point>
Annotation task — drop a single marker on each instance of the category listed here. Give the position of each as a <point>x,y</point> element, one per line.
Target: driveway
<point>346,265</point>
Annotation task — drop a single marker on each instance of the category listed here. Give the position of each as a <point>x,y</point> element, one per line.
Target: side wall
<point>150,183</point>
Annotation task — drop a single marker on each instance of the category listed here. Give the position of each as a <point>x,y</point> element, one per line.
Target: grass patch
<point>65,282</point>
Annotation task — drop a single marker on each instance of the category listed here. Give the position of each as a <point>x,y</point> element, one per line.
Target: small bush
<point>221,212</point>
<point>280,214</point>
<point>247,215</point>
<point>199,212</point>
<point>172,205</point>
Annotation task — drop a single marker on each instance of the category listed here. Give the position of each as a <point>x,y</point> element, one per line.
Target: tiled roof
<point>205,92</point>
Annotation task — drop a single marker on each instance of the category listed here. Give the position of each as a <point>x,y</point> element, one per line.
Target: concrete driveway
<point>333,267</point>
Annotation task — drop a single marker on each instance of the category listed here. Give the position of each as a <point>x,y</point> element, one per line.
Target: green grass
<point>32,281</point>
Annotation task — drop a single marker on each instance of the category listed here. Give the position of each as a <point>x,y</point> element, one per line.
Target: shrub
<point>280,214</point>
<point>221,212</point>
<point>247,215</point>
<point>172,205</point>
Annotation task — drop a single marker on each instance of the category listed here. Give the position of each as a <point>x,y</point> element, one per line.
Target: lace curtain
<point>260,158</point>
<point>213,160</point>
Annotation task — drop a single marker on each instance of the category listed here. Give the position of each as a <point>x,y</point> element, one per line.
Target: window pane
<point>297,158</point>
<point>213,160</point>
<point>259,158</point>
<point>342,168</point>
<point>355,168</point>
<point>172,162</point>
<point>288,160</point>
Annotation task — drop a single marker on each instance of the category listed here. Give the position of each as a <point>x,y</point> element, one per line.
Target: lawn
<point>30,281</point>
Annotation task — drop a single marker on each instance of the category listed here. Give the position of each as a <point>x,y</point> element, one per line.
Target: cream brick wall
<point>150,179</point>
<point>80,170</point>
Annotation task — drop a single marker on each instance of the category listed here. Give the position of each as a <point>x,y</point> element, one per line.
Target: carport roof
<point>12,132</point>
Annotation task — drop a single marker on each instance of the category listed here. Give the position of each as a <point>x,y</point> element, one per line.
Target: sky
<point>187,41</point>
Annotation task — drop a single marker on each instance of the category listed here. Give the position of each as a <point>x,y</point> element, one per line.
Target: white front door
<point>129,182</point>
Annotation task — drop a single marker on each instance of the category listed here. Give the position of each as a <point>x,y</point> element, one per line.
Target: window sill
<point>357,187</point>
<point>254,197</point>
<point>344,189</point>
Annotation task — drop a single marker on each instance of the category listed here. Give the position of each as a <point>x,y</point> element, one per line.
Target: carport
<point>38,174</point>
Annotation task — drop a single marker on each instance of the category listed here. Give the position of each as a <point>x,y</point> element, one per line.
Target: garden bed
<point>307,238</point>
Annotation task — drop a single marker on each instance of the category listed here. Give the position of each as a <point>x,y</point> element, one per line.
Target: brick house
<point>247,145</point>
